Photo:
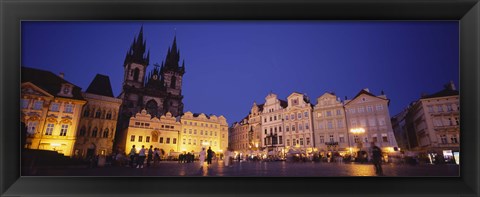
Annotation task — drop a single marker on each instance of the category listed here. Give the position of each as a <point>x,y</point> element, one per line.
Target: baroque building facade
<point>272,132</point>
<point>329,123</point>
<point>187,133</point>
<point>368,120</point>
<point>50,108</point>
<point>98,121</point>
<point>299,132</point>
<point>159,91</point>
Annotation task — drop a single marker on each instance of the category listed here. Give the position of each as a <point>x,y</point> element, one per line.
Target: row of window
<point>201,132</point>
<point>201,124</point>
<point>330,124</point>
<point>194,142</point>
<point>453,139</point>
<point>329,113</point>
<point>160,140</point>
<point>300,127</point>
<point>369,108</point>
<point>371,122</point>
<point>442,108</point>
<point>446,121</point>
<point>298,141</point>
<point>32,127</point>
<point>98,114</point>
<point>356,138</point>
<point>95,132</point>
<point>273,140</point>
<point>54,107</point>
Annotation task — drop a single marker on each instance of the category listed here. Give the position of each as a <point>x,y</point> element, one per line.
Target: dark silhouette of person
<point>209,155</point>
<point>377,159</point>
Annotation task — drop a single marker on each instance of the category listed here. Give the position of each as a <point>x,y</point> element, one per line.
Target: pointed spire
<point>136,53</point>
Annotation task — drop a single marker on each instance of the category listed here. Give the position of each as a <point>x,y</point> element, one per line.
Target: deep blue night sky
<point>229,64</point>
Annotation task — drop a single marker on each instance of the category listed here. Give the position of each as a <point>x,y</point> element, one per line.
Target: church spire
<point>136,53</point>
<point>173,58</point>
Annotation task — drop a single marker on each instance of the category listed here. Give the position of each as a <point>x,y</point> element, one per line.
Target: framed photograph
<point>240,98</point>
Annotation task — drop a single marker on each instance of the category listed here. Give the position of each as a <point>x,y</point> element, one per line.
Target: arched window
<point>136,73</point>
<point>86,113</point>
<point>94,132</point>
<point>98,114</point>
<point>105,133</point>
<point>83,130</point>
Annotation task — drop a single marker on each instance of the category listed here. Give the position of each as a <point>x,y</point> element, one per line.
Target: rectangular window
<point>330,124</point>
<point>329,113</point>
<point>194,141</point>
<point>322,140</point>
<point>68,108</point>
<point>353,122</point>
<point>49,130</point>
<point>211,133</point>
<point>215,134</point>
<point>286,117</point>
<point>374,139</point>
<point>299,115</point>
<point>301,141</point>
<point>185,131</point>
<point>300,127</point>
<point>355,138</point>
<point>369,108</point>
<point>454,139</point>
<point>195,131</point>
<point>341,138</point>
<point>147,139</point>
<point>449,107</point>
<point>25,103</point>
<point>132,138</point>
<point>440,108</point>
<point>352,111</point>
<point>339,113</point>
<point>38,105</point>
<point>371,122</point>
<point>184,141</point>
<point>384,137</point>
<point>292,117</point>
<point>331,138</point>
<point>288,142</point>
<point>305,114</point>
<point>381,121</point>
<point>443,138</point>
<point>63,131</point>
<point>189,141</point>
<point>54,107</point>
<point>31,127</point>
<point>308,141</point>
<point>293,127</point>
<point>190,131</point>
<point>379,107</point>
<point>320,125</point>
<point>361,110</point>
<point>140,138</point>
<point>280,139</point>
<point>287,128</point>
<point>161,140</point>
<point>430,108</point>
<point>339,123</point>
<point>306,126</point>
<point>168,140</point>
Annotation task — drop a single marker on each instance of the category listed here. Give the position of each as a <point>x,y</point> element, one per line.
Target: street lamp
<point>355,131</point>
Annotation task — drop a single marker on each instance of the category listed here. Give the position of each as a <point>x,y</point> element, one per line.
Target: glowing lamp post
<point>355,131</point>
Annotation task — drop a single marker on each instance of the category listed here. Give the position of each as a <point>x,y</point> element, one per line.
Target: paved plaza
<point>255,169</point>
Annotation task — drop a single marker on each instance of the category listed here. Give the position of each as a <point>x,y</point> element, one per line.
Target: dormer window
<point>66,90</point>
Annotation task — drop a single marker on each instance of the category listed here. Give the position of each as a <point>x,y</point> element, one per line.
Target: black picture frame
<point>12,12</point>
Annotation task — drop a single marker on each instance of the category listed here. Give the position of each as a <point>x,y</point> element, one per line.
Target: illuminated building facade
<point>96,130</point>
<point>298,123</point>
<point>187,133</point>
<point>239,136</point>
<point>50,108</point>
<point>272,132</point>
<point>435,124</point>
<point>329,123</point>
<point>158,92</point>
<point>368,120</point>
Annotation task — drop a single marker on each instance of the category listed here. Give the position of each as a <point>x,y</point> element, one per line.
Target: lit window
<point>140,138</point>
<point>174,140</point>
<point>25,103</point>
<point>147,139</point>
<point>69,108</point>
<point>63,131</point>
<point>49,129</point>
<point>54,107</point>
<point>379,107</point>
<point>31,127</point>
<point>161,140</point>
<point>38,105</point>
<point>168,140</point>
<point>132,138</point>
<point>369,108</point>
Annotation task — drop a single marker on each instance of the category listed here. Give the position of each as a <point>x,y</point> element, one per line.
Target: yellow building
<point>200,130</point>
<point>188,133</point>
<point>50,108</point>
<point>162,133</point>
<point>98,122</point>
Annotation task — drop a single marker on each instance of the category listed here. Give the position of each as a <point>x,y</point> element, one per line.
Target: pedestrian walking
<point>156,157</point>
<point>377,158</point>
<point>150,155</point>
<point>209,155</point>
<point>201,157</point>
<point>141,157</point>
<point>132,154</point>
